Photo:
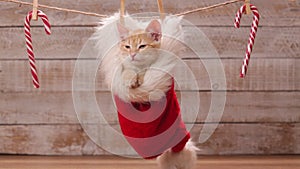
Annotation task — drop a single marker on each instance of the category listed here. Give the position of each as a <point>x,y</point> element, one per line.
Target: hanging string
<point>104,16</point>
<point>208,7</point>
<point>57,8</point>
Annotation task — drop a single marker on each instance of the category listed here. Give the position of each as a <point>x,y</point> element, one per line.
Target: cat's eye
<point>127,46</point>
<point>142,46</point>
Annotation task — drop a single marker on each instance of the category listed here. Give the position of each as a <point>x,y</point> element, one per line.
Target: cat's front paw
<point>132,79</point>
<point>134,83</point>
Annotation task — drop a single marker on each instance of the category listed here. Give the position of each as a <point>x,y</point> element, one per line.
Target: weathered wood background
<point>262,112</point>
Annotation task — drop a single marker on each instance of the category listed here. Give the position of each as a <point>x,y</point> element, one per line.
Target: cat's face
<point>138,46</point>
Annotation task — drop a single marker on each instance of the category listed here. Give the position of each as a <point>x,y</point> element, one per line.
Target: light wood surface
<point>66,42</point>
<point>278,13</point>
<point>70,139</point>
<point>100,162</point>
<point>57,107</point>
<point>57,75</point>
<point>261,114</point>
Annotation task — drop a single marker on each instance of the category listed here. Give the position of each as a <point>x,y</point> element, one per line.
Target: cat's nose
<point>132,55</point>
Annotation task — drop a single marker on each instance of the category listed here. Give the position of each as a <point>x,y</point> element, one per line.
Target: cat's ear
<point>154,28</point>
<point>123,31</point>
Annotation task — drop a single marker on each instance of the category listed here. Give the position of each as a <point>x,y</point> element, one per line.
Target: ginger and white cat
<point>148,75</point>
<point>138,70</point>
<point>138,52</point>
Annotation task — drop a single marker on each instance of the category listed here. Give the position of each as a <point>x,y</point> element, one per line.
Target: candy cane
<point>30,53</point>
<point>251,37</point>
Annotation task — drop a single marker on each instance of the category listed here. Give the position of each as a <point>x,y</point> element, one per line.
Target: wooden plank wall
<point>262,111</point>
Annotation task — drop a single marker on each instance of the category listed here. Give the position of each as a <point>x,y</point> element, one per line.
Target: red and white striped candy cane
<point>29,43</point>
<point>252,34</point>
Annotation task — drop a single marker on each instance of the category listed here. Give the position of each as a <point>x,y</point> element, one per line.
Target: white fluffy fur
<point>156,82</point>
<point>185,159</point>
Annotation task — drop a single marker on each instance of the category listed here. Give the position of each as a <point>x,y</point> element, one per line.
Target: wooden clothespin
<point>161,9</point>
<point>248,9</point>
<point>34,10</point>
<point>122,11</point>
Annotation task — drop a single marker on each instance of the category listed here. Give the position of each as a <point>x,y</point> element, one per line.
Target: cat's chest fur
<point>133,75</point>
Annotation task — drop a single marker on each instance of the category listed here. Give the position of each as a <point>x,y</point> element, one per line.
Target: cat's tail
<point>185,159</point>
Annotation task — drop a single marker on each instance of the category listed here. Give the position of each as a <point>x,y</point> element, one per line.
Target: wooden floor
<point>100,162</point>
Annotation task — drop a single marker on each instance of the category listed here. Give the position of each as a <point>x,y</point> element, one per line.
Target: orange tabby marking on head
<point>137,52</point>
